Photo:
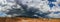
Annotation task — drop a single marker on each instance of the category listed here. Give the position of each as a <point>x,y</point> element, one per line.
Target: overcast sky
<point>52,6</point>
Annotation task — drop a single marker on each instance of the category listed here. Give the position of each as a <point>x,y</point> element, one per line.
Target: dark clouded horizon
<point>30,8</point>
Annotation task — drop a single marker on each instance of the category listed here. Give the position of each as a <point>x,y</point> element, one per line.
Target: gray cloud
<point>27,8</point>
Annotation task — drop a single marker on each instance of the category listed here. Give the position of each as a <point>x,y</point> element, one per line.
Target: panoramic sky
<point>30,8</point>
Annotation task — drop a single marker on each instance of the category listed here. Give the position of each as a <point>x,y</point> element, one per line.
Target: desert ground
<point>21,19</point>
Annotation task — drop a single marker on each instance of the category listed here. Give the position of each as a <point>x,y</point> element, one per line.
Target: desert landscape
<point>21,19</point>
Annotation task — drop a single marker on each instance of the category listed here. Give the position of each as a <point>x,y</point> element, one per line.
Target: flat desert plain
<point>20,19</point>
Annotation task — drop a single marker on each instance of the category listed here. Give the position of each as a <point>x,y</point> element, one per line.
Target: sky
<point>2,14</point>
<point>45,6</point>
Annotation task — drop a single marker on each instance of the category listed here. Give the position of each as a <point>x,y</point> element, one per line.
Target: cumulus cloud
<point>7,5</point>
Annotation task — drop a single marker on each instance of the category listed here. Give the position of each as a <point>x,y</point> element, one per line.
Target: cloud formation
<point>29,8</point>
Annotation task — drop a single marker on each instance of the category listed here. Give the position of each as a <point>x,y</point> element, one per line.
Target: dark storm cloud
<point>27,12</point>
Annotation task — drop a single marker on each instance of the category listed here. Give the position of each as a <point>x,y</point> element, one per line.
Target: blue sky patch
<point>2,14</point>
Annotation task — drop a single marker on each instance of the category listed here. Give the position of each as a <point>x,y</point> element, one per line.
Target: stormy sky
<point>30,8</point>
